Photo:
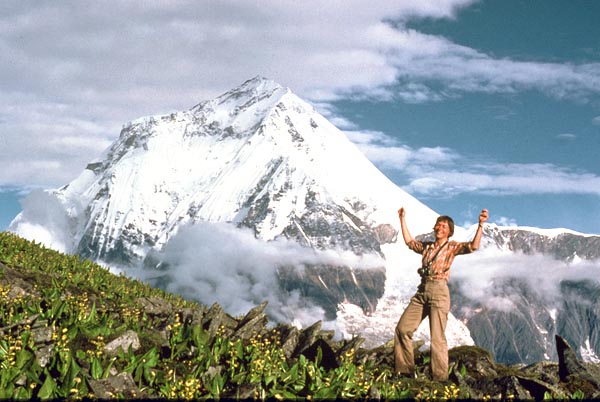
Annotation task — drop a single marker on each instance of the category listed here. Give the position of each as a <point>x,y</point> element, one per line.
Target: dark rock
<point>519,335</point>
<point>381,356</point>
<point>154,305</point>
<point>545,371</point>
<point>329,359</point>
<point>253,313</point>
<point>472,369</point>
<point>328,286</point>
<point>307,337</point>
<point>115,386</point>
<point>351,345</point>
<point>192,316</point>
<point>512,389</point>
<point>252,324</point>
<point>568,364</point>
<point>327,334</point>
<point>573,372</point>
<point>243,392</point>
<point>290,336</point>
<point>248,328</point>
<point>537,388</point>
<point>477,361</point>
<point>215,319</point>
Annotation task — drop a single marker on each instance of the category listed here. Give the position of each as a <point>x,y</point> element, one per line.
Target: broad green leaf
<point>48,389</point>
<point>22,393</point>
<point>96,369</point>
<point>23,357</point>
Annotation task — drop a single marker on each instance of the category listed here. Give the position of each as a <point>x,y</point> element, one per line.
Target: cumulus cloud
<point>389,153</point>
<point>47,220</point>
<point>217,262</point>
<point>505,221</point>
<point>440,171</point>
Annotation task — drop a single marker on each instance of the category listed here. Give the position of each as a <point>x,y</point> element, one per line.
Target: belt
<point>429,279</point>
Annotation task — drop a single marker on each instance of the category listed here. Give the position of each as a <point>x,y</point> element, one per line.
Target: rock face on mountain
<point>525,333</point>
<point>565,246</point>
<point>262,160</point>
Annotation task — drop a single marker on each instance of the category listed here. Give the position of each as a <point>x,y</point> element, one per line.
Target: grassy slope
<point>58,313</point>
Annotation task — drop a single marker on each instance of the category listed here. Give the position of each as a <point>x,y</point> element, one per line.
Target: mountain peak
<point>259,84</point>
<point>244,105</point>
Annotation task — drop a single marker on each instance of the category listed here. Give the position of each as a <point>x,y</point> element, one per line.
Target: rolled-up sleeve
<point>463,248</point>
<point>416,246</point>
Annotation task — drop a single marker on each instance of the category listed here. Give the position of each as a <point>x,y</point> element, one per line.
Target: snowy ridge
<point>554,232</point>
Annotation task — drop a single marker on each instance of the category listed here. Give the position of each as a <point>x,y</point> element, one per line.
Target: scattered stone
<point>154,305</point>
<point>123,342</point>
<point>290,336</point>
<point>120,386</point>
<point>307,337</point>
<point>253,323</point>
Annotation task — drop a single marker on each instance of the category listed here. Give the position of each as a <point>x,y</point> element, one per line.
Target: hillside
<point>70,328</point>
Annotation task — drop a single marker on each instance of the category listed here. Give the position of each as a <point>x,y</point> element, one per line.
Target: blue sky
<point>465,104</point>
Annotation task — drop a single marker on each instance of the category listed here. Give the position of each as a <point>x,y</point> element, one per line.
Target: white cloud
<point>596,121</point>
<point>505,221</point>
<point>388,153</point>
<point>486,276</point>
<point>566,137</point>
<point>514,178</point>
<point>217,262</point>
<point>442,172</point>
<point>47,220</point>
<point>74,73</point>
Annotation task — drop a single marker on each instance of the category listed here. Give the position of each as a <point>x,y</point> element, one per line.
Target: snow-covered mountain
<point>254,195</point>
<point>256,157</point>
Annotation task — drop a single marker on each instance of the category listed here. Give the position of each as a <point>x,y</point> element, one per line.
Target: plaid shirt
<point>441,265</point>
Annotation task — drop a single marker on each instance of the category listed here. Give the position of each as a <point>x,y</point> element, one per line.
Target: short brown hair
<point>446,218</point>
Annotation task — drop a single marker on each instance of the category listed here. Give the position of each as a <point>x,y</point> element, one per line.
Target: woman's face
<point>442,230</point>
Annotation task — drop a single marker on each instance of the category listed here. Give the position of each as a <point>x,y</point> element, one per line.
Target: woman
<point>433,297</point>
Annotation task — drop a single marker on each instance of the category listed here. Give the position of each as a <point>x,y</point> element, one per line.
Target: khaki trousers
<point>432,299</point>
